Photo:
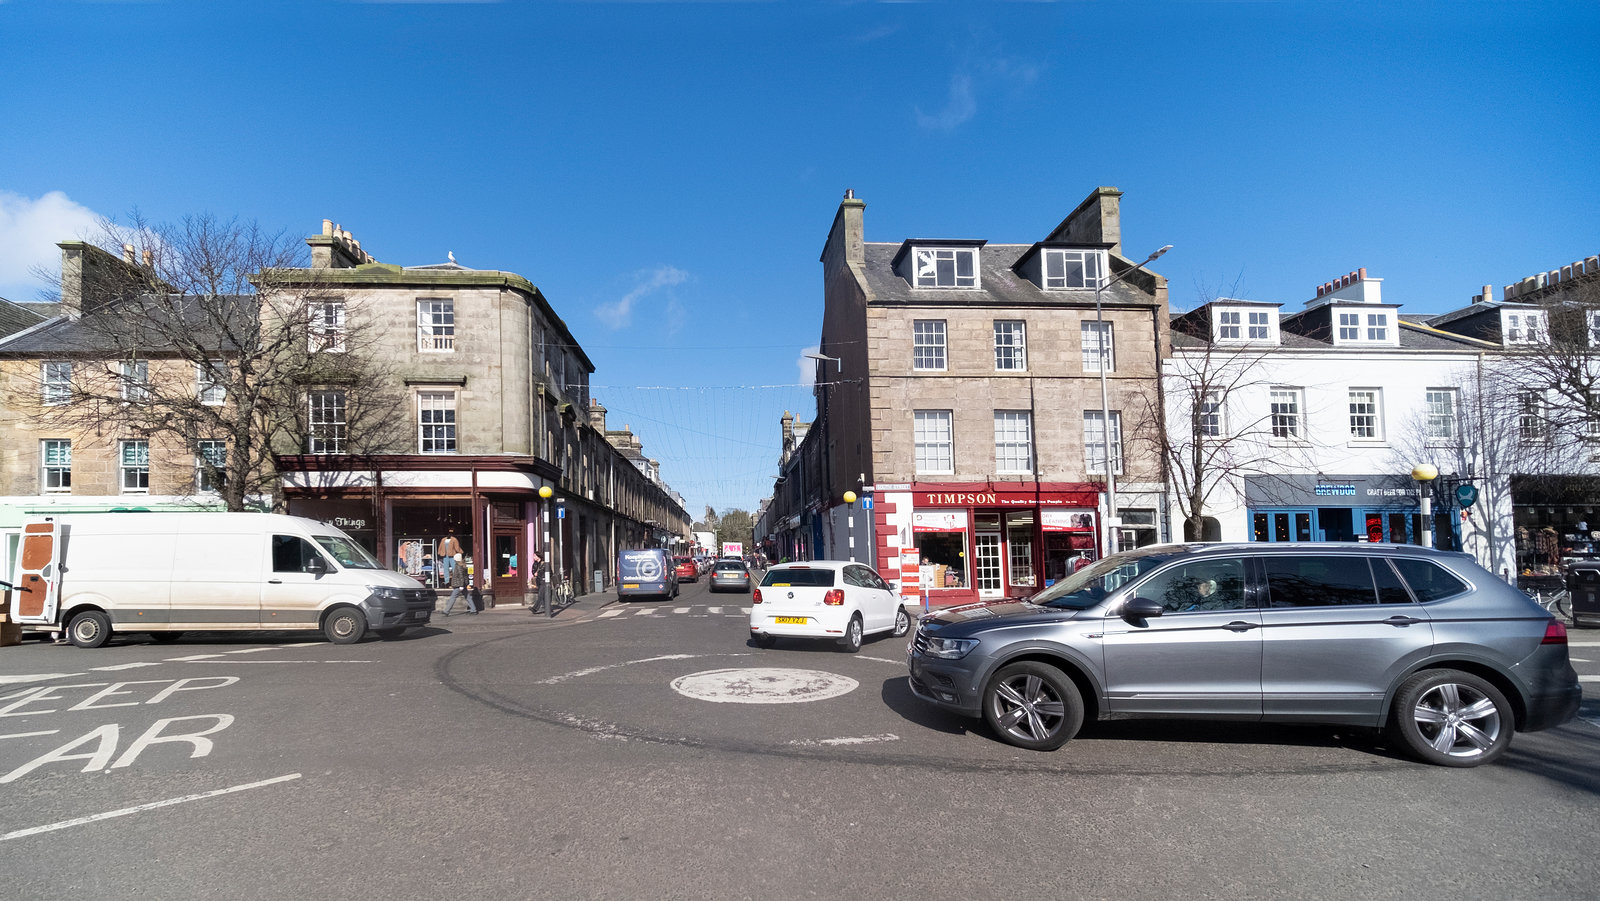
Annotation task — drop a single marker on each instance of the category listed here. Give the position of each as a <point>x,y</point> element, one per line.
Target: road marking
<point>1583,644</point>
<point>859,740</point>
<point>648,611</point>
<point>107,669</point>
<point>763,685</point>
<point>1589,678</point>
<point>1577,660</point>
<point>36,677</point>
<point>713,609</point>
<point>600,669</point>
<point>300,662</point>
<point>881,660</point>
<point>191,658</point>
<point>746,611</point>
<point>252,650</point>
<point>30,734</point>
<point>303,644</point>
<point>606,614</point>
<point>680,610</point>
<point>126,811</point>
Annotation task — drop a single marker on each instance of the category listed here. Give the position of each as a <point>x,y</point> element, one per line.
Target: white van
<point>170,573</point>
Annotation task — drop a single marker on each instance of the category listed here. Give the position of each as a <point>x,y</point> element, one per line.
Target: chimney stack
<point>127,254</point>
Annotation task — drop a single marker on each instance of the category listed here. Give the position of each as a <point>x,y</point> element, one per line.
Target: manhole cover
<point>763,686</point>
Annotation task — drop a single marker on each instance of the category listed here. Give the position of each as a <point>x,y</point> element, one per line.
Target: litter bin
<point>1583,587</point>
<point>599,581</point>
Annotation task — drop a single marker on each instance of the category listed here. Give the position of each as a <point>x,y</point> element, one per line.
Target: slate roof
<point>1415,334</point>
<point>107,330</point>
<point>1000,285</point>
<point>14,317</point>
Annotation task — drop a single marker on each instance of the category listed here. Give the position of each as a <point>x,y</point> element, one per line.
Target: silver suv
<point>1428,644</point>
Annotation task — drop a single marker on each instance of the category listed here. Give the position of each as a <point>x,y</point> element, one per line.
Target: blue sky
<point>667,172</point>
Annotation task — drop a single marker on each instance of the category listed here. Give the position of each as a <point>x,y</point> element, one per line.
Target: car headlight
<point>386,593</point>
<point>950,648</point>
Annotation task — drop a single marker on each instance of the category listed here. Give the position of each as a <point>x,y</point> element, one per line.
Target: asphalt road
<point>627,753</point>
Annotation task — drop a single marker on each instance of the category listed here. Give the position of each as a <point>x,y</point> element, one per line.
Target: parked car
<point>688,570</point>
<point>825,599</point>
<point>646,572</point>
<point>1429,645</point>
<point>730,575</point>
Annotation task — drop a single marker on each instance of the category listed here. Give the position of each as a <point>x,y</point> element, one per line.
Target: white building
<point>1306,426</point>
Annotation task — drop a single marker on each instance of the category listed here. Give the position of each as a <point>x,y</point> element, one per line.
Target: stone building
<point>960,395</point>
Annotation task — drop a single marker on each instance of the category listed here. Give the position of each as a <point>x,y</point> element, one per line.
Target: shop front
<point>405,508</point>
<point>1366,508</point>
<point>953,544</point>
<point>1557,522</point>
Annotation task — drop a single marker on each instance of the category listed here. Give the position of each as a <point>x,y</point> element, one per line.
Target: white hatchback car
<point>825,599</point>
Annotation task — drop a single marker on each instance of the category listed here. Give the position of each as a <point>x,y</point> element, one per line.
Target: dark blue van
<point>646,572</point>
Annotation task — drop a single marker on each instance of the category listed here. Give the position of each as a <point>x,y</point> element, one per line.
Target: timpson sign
<point>1001,499</point>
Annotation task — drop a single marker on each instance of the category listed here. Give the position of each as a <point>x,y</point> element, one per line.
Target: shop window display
<point>944,559</point>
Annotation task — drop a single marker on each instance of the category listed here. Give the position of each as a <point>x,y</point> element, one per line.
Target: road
<point>647,750</point>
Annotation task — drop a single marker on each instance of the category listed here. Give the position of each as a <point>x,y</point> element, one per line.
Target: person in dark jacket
<point>458,588</point>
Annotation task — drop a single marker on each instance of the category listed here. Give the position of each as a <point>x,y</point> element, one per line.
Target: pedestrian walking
<point>458,588</point>
<point>448,552</point>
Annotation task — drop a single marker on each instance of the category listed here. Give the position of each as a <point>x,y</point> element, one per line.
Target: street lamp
<point>850,498</point>
<point>1105,402</point>
<point>1425,473</point>
<point>542,581</point>
<point>837,361</point>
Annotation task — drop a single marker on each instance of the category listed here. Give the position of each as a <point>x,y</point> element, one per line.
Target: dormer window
<point>1360,327</point>
<point>1073,268</point>
<point>946,267</point>
<point>1524,328</point>
<point>1246,325</point>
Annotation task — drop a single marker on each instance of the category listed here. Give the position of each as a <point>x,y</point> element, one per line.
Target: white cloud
<point>29,230</point>
<point>619,314</point>
<point>961,106</point>
<point>808,366</point>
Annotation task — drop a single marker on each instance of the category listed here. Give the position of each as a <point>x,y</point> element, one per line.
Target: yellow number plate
<point>629,585</point>
<point>790,620</point>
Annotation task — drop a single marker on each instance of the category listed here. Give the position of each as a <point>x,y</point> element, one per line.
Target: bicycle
<point>1556,600</point>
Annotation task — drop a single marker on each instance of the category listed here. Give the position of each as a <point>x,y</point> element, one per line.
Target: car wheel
<point>345,625</point>
<point>1033,706</point>
<point>89,629</point>
<point>851,642</point>
<point>902,622</point>
<point>1451,718</point>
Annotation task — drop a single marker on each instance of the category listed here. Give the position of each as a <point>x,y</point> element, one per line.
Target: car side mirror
<point>316,565</point>
<point>1137,609</point>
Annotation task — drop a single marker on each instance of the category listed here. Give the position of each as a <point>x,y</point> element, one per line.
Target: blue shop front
<point>1372,508</point>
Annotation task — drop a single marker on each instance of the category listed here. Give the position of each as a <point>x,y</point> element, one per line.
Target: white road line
<point>303,644</point>
<point>859,740</point>
<point>680,610</point>
<point>1583,644</point>
<point>607,614</point>
<point>191,658</point>
<point>881,660</point>
<point>300,662</point>
<point>107,669</point>
<point>251,650</point>
<point>30,734</point>
<point>713,609</point>
<point>600,669</point>
<point>1589,678</point>
<point>746,611</point>
<point>1577,659</point>
<point>36,677</point>
<point>648,611</point>
<point>94,818</point>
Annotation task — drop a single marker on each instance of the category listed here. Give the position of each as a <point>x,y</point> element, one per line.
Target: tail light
<point>1555,633</point>
<point>834,598</point>
<point>755,596</point>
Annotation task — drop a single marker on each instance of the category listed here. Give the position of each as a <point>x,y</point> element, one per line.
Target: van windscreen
<point>346,553</point>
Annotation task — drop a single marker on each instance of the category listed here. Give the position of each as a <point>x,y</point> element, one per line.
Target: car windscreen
<point>1092,584</point>
<point>798,578</point>
<point>347,553</point>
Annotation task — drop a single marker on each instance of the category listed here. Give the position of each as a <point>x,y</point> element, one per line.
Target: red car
<point>688,570</point>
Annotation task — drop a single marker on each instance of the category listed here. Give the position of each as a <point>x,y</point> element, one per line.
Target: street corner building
<point>976,397</point>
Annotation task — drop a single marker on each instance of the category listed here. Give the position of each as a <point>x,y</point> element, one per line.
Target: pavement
<point>580,608</point>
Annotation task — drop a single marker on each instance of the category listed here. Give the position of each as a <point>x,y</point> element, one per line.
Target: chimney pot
<point>849,193</point>
<point>149,259</point>
<point>327,227</point>
<point>1362,273</point>
<point>127,254</point>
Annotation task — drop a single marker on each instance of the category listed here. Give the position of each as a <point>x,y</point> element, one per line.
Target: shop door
<point>1020,532</point>
<point>1285,525</point>
<point>987,568</point>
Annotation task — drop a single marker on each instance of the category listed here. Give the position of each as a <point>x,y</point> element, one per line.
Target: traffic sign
<point>866,503</point>
<point>1466,495</point>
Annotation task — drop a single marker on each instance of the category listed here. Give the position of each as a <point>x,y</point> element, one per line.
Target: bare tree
<point>187,334</point>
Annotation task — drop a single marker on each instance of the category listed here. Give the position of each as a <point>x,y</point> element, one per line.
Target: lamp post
<point>1425,473</point>
<point>1101,285</point>
<point>850,519</point>
<point>543,579</point>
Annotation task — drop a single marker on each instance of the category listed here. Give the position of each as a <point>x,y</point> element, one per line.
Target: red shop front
<point>961,543</point>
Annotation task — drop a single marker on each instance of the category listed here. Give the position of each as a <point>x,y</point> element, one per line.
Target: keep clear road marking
<point>126,811</point>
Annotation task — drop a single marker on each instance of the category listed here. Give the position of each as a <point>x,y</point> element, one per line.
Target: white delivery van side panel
<point>120,564</point>
<point>217,575</point>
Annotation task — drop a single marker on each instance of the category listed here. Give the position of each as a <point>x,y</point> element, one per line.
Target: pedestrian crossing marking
<point>713,609</point>
<point>680,610</point>
<point>609,613</point>
<point>692,611</point>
